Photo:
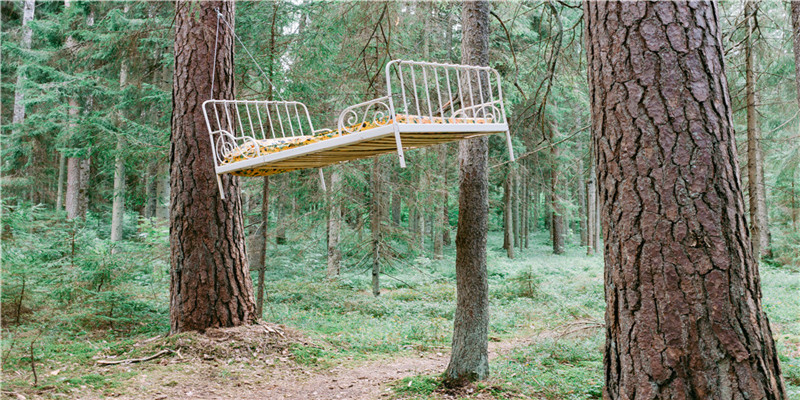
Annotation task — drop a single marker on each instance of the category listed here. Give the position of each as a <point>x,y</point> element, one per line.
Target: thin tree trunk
<point>151,198</point>
<point>29,7</point>
<point>515,207</point>
<point>557,210</point>
<point>334,225</point>
<point>758,228</point>
<point>62,169</point>
<point>446,198</point>
<point>582,205</point>
<point>469,359</point>
<point>163,189</point>
<point>591,204</point>
<point>375,225</point>
<point>210,276</point>
<point>508,219</point>
<point>438,220</point>
<point>262,249</point>
<point>118,204</point>
<point>684,318</point>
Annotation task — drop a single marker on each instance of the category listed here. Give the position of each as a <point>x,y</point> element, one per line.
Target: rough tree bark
<point>210,277</point>
<point>759,233</point>
<point>684,316</point>
<point>469,359</point>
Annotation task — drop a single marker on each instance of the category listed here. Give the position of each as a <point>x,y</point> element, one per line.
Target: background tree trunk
<point>118,203</point>
<point>508,220</point>
<point>210,277</point>
<point>684,316</point>
<point>375,225</point>
<point>557,210</point>
<point>262,246</point>
<point>334,224</point>
<point>29,8</point>
<point>62,169</point>
<point>755,177</point>
<point>469,359</point>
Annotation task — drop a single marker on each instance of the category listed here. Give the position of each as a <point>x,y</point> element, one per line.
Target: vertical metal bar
<point>427,91</point>
<point>480,88</point>
<point>230,120</point>
<point>414,84</point>
<point>280,120</point>
<point>239,119</point>
<point>438,92</point>
<point>269,117</point>
<point>299,122</point>
<point>450,98</point>
<point>250,119</point>
<point>471,95</point>
<point>210,135</point>
<point>460,90</point>
<point>402,86</point>
<point>260,122</point>
<point>216,113</point>
<point>491,93</point>
<point>310,125</point>
<point>289,117</point>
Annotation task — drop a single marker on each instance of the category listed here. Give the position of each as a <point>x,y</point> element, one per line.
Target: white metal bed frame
<point>426,104</point>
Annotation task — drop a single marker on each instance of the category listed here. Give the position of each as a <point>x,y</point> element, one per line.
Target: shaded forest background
<point>86,94</point>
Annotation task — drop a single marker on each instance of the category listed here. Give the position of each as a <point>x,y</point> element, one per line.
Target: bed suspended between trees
<point>425,104</point>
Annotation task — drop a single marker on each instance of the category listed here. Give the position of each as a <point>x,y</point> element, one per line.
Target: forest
<point>614,217</point>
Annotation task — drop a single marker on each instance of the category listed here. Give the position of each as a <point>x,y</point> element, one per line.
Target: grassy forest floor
<point>83,306</point>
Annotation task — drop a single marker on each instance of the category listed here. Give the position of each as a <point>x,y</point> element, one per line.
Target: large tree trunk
<point>469,359</point>
<point>684,317</point>
<point>334,224</point>
<point>375,219</point>
<point>210,277</point>
<point>29,8</point>
<point>758,213</point>
<point>118,204</point>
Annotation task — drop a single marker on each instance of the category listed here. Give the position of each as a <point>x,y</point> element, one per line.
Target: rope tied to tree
<point>221,17</point>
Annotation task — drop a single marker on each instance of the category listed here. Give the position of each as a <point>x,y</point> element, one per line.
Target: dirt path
<point>369,381</point>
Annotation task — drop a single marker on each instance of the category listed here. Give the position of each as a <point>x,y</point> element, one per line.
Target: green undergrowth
<point>68,300</point>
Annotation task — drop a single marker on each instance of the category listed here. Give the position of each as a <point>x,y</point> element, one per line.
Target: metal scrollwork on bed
<point>369,114</point>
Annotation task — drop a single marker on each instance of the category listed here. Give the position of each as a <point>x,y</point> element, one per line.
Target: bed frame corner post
<point>510,146</point>
<point>399,145</point>
<point>219,184</point>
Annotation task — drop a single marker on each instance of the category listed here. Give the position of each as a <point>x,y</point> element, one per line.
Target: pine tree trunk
<point>437,219</point>
<point>446,198</point>
<point>262,247</point>
<point>118,204</point>
<point>469,359</point>
<point>795,10</point>
<point>515,205</point>
<point>582,205</point>
<point>557,213</point>
<point>508,219</point>
<point>210,277</point>
<point>758,228</point>
<point>163,190</point>
<point>375,225</point>
<point>334,225</point>
<point>62,169</point>
<point>150,191</point>
<point>684,318</point>
<point>592,217</point>
<point>29,7</point>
